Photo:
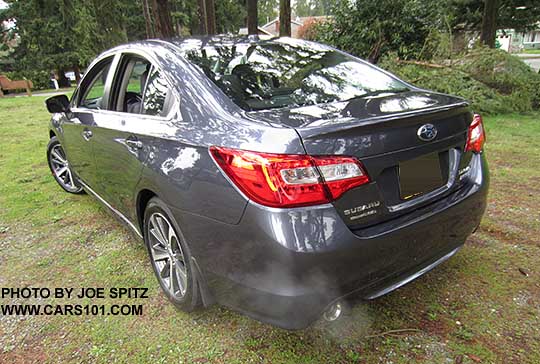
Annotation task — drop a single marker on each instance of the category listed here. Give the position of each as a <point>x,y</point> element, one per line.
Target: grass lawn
<point>531,51</point>
<point>483,305</point>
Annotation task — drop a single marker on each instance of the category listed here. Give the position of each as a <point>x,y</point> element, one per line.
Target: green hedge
<point>40,79</point>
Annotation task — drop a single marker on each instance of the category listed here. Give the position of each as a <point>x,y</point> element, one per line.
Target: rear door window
<point>155,94</point>
<point>130,83</point>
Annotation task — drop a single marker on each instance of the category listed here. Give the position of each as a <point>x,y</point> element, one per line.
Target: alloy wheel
<point>167,255</point>
<point>61,169</point>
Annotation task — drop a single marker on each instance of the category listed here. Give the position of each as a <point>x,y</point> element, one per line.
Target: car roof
<point>199,42</point>
<point>217,40</point>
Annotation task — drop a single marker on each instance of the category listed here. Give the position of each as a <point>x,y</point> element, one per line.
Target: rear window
<point>288,73</point>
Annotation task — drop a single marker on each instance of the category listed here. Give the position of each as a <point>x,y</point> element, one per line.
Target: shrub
<point>40,79</point>
<point>309,30</point>
<point>370,28</point>
<point>492,80</point>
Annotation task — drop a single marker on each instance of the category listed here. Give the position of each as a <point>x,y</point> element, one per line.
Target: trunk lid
<point>408,167</point>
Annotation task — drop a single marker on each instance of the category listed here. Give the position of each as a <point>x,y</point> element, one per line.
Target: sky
<point>3,4</point>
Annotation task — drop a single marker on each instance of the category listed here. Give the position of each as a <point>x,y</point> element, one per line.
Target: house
<point>272,28</point>
<point>261,31</point>
<point>531,40</point>
<point>512,41</point>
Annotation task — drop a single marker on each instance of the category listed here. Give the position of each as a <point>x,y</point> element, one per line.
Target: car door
<point>89,100</point>
<point>121,142</point>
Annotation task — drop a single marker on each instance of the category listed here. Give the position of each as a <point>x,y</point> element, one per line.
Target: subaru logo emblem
<point>427,132</point>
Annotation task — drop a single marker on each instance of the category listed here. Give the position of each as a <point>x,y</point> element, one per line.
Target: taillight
<point>476,136</point>
<point>285,180</point>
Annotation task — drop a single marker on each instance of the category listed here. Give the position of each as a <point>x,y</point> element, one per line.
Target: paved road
<point>46,94</point>
<point>532,60</point>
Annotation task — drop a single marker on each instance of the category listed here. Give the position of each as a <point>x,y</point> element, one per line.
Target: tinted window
<point>286,72</point>
<point>131,83</point>
<point>155,94</point>
<point>92,92</point>
<point>138,76</point>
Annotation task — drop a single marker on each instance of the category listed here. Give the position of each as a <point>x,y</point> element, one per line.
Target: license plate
<point>420,175</point>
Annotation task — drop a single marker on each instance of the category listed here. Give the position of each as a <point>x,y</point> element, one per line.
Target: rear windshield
<point>288,73</point>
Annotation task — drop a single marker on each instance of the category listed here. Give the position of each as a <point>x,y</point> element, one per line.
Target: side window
<point>92,92</point>
<point>155,94</point>
<point>131,82</point>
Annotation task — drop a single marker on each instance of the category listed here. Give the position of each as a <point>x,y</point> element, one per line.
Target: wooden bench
<point>8,85</point>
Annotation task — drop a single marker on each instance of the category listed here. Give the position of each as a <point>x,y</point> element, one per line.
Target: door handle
<point>134,143</point>
<point>87,134</point>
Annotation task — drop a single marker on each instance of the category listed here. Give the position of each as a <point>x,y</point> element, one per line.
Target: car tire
<point>164,246</point>
<point>60,168</point>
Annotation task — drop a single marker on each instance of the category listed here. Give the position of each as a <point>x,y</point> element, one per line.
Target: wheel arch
<point>143,197</point>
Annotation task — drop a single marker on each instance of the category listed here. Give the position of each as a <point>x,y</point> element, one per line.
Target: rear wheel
<point>60,167</point>
<point>170,256</point>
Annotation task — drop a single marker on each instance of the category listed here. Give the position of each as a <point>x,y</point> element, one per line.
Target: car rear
<point>352,216</point>
<point>391,181</point>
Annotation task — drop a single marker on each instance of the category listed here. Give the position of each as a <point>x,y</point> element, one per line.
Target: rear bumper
<point>285,267</point>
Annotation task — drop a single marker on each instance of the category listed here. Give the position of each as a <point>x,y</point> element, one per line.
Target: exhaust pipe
<point>334,311</point>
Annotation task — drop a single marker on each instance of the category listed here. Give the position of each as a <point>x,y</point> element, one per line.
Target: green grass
<point>531,51</point>
<point>476,306</point>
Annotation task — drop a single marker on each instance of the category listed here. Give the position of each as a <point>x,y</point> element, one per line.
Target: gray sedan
<point>276,177</point>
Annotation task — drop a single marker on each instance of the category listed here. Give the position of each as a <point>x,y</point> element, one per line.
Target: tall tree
<point>302,8</point>
<point>201,11</point>
<point>252,17</point>
<point>149,25</point>
<point>324,7</point>
<point>162,14</point>
<point>207,16</point>
<point>66,34</point>
<point>267,10</point>
<point>314,7</point>
<point>521,15</point>
<point>210,17</point>
<point>489,23</point>
<point>230,15</point>
<point>369,29</point>
<point>184,16</point>
<point>52,37</point>
<point>285,18</point>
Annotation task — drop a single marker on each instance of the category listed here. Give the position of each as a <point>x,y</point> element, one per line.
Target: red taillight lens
<point>283,180</point>
<point>476,136</point>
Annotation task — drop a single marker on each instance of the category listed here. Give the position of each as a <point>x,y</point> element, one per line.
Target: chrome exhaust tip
<point>334,311</point>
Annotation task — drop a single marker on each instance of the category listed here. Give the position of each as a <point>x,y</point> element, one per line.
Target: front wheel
<point>170,256</point>
<point>60,168</point>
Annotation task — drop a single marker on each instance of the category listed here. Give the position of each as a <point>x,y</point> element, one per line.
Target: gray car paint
<point>282,266</point>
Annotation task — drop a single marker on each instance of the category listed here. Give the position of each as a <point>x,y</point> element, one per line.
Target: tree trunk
<point>203,29</point>
<point>285,18</point>
<point>63,81</point>
<point>489,23</point>
<point>77,71</point>
<point>252,16</point>
<point>163,14</point>
<point>155,17</point>
<point>148,20</point>
<point>210,17</point>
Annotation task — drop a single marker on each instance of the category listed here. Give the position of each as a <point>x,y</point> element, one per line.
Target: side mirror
<point>57,104</point>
